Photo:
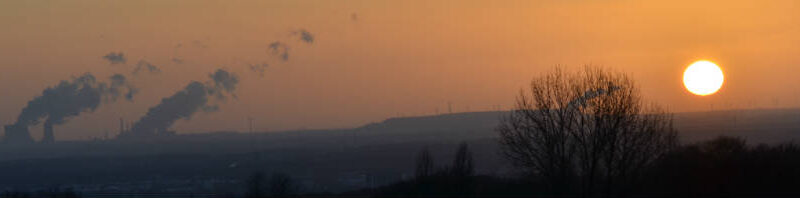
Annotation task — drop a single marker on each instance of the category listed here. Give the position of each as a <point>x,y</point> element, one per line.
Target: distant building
<point>140,133</point>
<point>131,134</point>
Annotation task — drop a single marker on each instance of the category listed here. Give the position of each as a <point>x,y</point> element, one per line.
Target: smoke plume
<point>279,49</point>
<point>67,99</point>
<point>305,36</point>
<point>588,95</point>
<point>115,58</point>
<point>259,68</point>
<point>120,85</point>
<point>177,60</point>
<point>145,66</point>
<point>185,103</point>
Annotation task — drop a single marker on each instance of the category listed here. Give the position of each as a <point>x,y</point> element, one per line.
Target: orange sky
<point>397,57</point>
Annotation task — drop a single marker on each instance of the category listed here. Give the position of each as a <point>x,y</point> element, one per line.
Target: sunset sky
<point>371,60</point>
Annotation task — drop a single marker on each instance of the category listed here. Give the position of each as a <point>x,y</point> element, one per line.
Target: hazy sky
<point>371,60</point>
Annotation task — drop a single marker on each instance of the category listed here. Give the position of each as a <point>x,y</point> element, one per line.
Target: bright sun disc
<point>703,78</point>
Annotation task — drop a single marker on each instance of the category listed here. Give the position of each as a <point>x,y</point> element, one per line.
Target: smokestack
<point>17,134</point>
<point>250,122</point>
<point>449,107</point>
<point>48,133</point>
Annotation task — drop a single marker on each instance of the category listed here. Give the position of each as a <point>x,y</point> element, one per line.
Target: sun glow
<point>703,78</point>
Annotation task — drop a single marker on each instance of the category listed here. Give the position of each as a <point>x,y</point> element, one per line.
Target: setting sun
<point>703,78</point>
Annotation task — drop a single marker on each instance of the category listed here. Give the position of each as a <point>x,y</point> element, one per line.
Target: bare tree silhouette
<point>255,185</point>
<point>459,178</point>
<point>424,164</point>
<point>585,131</point>
<point>462,164</point>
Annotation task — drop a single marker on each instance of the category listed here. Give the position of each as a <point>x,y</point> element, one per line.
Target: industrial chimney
<point>48,133</point>
<point>17,134</point>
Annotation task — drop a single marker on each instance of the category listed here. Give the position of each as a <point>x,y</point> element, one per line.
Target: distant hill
<point>755,125</point>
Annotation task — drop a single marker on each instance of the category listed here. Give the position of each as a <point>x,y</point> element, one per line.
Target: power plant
<point>126,132</point>
<point>195,97</point>
<point>82,94</point>
<point>17,134</point>
<point>69,98</point>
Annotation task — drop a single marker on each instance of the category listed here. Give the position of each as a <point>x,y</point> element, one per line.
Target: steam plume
<point>259,68</point>
<point>185,103</point>
<point>279,49</point>
<point>115,58</point>
<point>144,65</point>
<point>305,36</point>
<point>588,95</point>
<point>177,60</point>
